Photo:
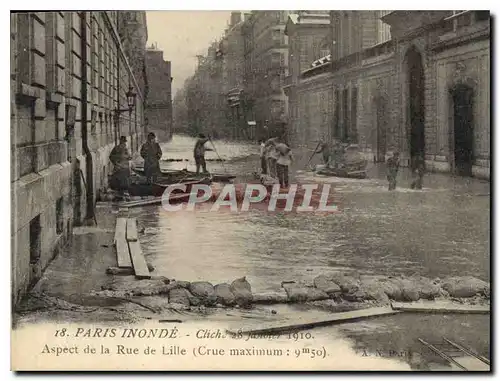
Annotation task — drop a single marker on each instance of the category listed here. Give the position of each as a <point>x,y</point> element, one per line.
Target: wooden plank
<point>120,229</point>
<point>131,204</point>
<point>441,307</point>
<point>157,200</point>
<point>306,323</point>
<point>140,266</point>
<point>123,254</point>
<point>132,229</point>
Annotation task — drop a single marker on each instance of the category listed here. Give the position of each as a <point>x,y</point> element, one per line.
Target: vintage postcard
<point>250,190</point>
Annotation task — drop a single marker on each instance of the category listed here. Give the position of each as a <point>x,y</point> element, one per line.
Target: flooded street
<point>438,232</point>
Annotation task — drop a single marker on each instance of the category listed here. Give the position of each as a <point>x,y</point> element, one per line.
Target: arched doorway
<point>463,132</point>
<point>416,108</point>
<point>380,120</point>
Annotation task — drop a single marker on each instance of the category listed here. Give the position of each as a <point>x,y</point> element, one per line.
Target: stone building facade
<point>69,77</point>
<point>232,50</point>
<point>266,66</point>
<point>423,89</point>
<point>159,98</point>
<point>442,103</point>
<point>205,99</point>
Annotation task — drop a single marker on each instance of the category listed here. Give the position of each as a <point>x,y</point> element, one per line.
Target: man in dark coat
<point>418,172</point>
<point>120,157</point>
<point>392,170</point>
<point>151,153</point>
<point>324,148</point>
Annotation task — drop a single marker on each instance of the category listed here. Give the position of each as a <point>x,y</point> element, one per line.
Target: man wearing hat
<point>151,153</point>
<point>120,157</point>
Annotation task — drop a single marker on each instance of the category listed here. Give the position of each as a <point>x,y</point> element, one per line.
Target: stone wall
<point>62,121</point>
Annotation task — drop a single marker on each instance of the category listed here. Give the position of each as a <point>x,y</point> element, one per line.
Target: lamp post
<point>130,103</point>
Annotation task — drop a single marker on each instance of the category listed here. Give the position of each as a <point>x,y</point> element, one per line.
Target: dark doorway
<point>35,250</point>
<point>381,130</point>
<point>463,129</point>
<point>416,110</point>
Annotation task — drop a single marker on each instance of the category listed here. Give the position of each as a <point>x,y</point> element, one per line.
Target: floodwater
<point>440,231</point>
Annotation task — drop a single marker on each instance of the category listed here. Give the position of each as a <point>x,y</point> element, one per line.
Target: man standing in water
<point>418,172</point>
<point>324,148</point>
<point>285,159</point>
<point>272,156</point>
<point>392,170</point>
<point>263,159</point>
<point>151,153</point>
<point>199,153</point>
<point>120,157</point>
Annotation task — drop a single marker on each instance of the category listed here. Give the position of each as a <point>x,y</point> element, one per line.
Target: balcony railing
<point>463,19</point>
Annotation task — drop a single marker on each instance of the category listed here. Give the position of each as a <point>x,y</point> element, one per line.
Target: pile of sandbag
<point>351,287</point>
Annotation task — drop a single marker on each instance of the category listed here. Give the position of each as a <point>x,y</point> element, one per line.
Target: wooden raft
<point>311,322</point>
<point>128,248</point>
<point>441,307</point>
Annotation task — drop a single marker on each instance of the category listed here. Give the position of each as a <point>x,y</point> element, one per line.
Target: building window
<point>59,216</point>
<point>354,116</point>
<point>336,123</point>
<point>383,29</point>
<point>345,115</point>
<point>482,15</point>
<point>276,36</point>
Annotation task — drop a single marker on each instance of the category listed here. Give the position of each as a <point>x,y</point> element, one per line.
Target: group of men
<point>275,159</point>
<point>331,153</point>
<point>151,153</point>
<point>418,171</point>
<point>120,158</point>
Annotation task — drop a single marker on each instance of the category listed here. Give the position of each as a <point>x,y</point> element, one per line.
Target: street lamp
<point>130,103</point>
<point>130,100</point>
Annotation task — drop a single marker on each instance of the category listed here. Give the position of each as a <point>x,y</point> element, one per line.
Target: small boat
<point>342,172</point>
<point>178,175</point>
<point>158,188</point>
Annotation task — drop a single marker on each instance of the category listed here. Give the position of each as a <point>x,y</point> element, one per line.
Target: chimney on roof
<point>235,18</point>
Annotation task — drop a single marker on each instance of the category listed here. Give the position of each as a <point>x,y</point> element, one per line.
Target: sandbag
<point>179,296</point>
<point>347,283</point>
<point>465,287</point>
<point>204,291</point>
<point>392,288</point>
<point>242,291</point>
<point>270,298</point>
<point>195,300</point>
<point>372,289</point>
<point>304,294</point>
<point>326,284</point>
<point>224,294</point>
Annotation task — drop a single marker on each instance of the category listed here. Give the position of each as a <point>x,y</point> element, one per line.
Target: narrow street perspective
<point>315,175</point>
